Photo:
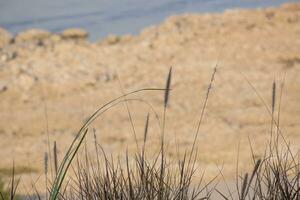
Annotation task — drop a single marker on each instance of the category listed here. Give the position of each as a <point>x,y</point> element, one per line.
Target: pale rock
<point>8,55</point>
<point>25,97</point>
<point>74,33</point>
<point>127,38</point>
<point>291,7</point>
<point>3,87</point>
<point>26,82</point>
<point>32,35</point>
<point>55,38</point>
<point>111,40</point>
<point>5,37</point>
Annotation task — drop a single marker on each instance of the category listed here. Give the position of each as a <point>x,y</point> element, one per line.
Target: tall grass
<point>156,179</point>
<point>274,176</point>
<point>146,179</point>
<point>10,192</point>
<point>277,174</point>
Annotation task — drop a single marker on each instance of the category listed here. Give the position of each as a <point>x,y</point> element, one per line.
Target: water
<point>103,17</point>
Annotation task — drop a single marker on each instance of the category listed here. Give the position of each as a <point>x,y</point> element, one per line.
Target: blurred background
<point>103,17</point>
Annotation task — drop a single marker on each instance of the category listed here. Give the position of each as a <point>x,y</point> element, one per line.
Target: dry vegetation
<point>275,175</point>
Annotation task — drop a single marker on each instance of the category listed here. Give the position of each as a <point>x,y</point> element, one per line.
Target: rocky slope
<point>53,81</point>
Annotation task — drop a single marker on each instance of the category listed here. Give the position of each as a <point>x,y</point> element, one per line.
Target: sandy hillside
<point>55,80</point>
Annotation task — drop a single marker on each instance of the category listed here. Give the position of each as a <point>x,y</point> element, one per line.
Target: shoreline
<point>14,26</point>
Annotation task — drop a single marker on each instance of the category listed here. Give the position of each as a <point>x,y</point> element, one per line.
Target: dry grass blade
<point>129,113</point>
<point>55,157</point>
<point>144,144</point>
<point>244,186</point>
<point>46,163</point>
<point>203,109</point>
<point>146,128</point>
<point>162,163</point>
<point>46,173</point>
<point>273,95</point>
<point>167,90</point>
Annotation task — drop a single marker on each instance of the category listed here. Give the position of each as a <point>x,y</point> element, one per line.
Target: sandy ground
<point>55,81</point>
